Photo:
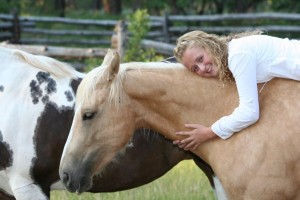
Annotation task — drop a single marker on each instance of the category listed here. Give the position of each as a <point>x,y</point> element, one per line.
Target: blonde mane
<point>116,91</point>
<point>54,67</point>
<point>98,74</point>
<point>88,84</point>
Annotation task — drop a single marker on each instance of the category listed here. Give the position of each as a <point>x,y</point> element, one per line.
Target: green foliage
<point>37,7</point>
<point>88,9</point>
<point>7,6</point>
<point>284,5</point>
<point>91,63</point>
<point>137,29</point>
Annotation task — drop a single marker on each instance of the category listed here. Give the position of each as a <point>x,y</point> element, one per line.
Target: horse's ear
<point>112,62</point>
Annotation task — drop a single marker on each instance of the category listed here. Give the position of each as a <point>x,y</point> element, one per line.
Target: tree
<point>60,6</point>
<point>284,5</point>
<point>112,6</point>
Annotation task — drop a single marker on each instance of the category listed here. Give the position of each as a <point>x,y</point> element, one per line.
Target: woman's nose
<point>201,67</point>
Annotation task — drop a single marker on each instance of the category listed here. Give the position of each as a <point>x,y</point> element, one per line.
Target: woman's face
<point>197,60</point>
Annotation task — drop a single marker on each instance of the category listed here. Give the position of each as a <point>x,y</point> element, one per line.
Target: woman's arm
<point>243,68</point>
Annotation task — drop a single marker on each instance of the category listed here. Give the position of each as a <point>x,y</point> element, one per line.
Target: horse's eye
<point>88,116</point>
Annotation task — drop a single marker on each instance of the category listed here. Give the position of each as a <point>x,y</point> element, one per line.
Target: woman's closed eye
<point>195,68</point>
<point>199,59</point>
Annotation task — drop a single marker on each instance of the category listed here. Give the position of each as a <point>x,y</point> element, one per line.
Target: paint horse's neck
<point>186,98</point>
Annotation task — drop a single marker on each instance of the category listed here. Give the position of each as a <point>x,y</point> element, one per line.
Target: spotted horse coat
<point>29,89</point>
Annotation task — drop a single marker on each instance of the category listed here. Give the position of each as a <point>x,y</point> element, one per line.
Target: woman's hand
<point>195,137</point>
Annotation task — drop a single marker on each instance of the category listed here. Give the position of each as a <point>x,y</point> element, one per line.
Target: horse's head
<point>100,115</point>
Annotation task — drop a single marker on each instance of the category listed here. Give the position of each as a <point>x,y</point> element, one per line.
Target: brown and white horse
<point>260,162</point>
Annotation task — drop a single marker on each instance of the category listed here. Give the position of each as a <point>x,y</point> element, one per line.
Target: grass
<point>184,182</point>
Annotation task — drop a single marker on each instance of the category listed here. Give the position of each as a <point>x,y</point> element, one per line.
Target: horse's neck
<point>167,99</point>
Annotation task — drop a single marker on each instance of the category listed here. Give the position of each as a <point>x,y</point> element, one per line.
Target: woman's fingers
<point>182,133</point>
<point>192,125</point>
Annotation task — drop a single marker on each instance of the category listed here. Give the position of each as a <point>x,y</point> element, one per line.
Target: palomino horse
<point>37,106</point>
<point>261,162</point>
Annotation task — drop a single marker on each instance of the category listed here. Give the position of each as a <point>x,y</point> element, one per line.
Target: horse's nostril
<point>65,177</point>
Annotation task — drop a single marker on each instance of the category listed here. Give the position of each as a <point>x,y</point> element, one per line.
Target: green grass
<point>184,182</point>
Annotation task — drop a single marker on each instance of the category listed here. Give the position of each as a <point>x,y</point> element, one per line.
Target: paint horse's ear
<point>112,62</point>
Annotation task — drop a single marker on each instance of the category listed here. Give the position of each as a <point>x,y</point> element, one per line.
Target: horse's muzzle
<point>75,182</point>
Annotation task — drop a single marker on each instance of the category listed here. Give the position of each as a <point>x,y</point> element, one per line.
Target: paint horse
<point>37,106</point>
<point>260,162</point>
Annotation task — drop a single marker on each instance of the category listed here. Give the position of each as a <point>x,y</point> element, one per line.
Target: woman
<point>247,59</point>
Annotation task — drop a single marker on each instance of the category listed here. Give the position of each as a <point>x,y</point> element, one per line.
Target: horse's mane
<point>116,87</point>
<point>116,90</point>
<point>54,67</point>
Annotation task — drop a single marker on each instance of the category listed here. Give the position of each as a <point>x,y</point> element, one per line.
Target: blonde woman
<point>247,59</point>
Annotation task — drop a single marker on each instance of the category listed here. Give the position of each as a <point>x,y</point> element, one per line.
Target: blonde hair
<point>215,45</point>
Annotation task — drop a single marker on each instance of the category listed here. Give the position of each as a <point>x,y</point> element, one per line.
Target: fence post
<point>166,27</point>
<point>118,40</point>
<point>16,27</point>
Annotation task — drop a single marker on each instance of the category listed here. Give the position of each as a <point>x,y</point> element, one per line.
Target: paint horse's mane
<point>115,97</point>
<point>54,67</point>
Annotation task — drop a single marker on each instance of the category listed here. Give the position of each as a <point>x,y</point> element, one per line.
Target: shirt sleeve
<point>243,68</point>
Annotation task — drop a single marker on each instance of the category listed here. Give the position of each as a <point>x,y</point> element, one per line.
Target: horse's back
<point>268,151</point>
<point>24,93</point>
<point>280,114</point>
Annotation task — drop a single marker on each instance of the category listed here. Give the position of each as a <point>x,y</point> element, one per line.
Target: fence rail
<point>234,16</point>
<point>163,29</point>
<point>55,51</point>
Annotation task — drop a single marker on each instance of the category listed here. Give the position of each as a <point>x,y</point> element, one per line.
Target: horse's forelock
<point>88,85</point>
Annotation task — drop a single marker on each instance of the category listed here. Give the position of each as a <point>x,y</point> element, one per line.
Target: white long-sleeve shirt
<point>255,59</point>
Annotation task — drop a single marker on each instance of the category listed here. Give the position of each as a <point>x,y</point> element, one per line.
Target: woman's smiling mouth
<point>208,69</point>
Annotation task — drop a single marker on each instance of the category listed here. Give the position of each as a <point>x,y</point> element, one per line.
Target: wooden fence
<point>164,30</point>
<point>277,24</point>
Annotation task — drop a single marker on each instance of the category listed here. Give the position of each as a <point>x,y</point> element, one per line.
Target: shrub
<point>138,28</point>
